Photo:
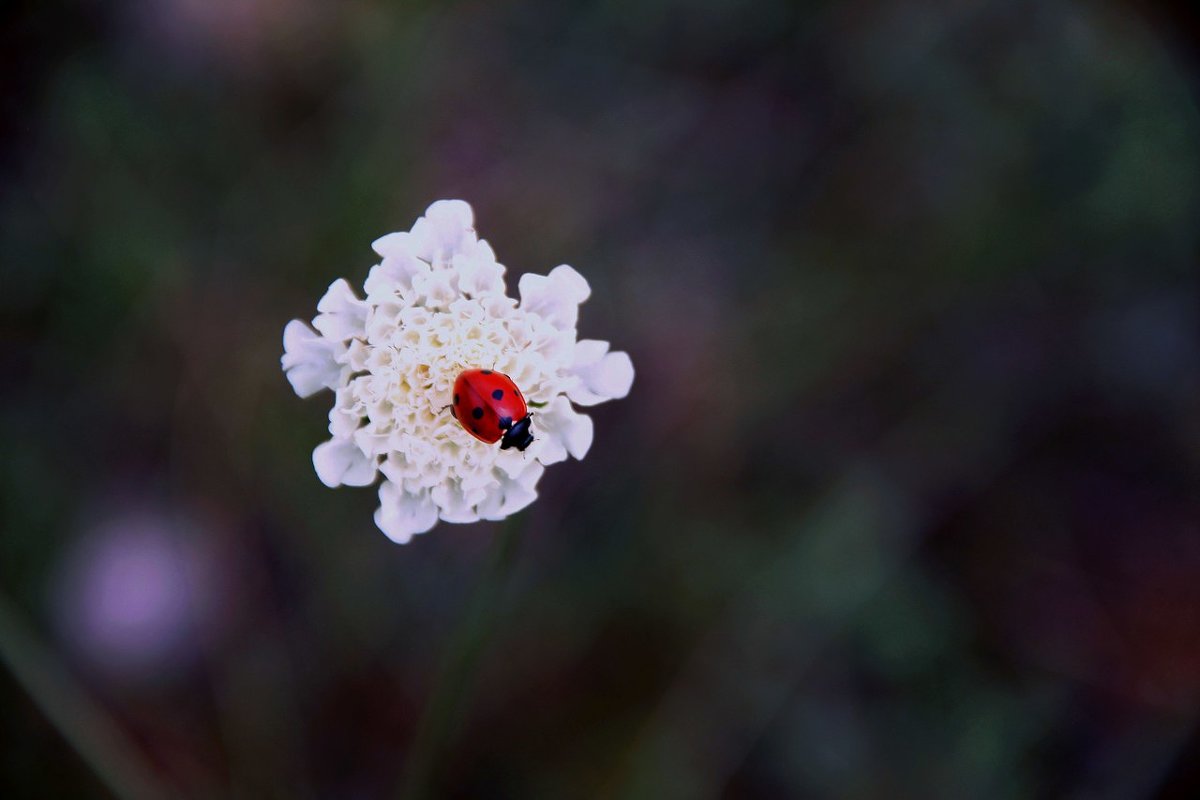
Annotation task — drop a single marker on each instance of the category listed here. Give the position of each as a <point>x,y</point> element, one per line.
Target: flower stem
<point>453,686</point>
<point>81,721</point>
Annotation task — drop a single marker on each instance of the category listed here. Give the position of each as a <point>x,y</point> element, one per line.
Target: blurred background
<point>905,502</point>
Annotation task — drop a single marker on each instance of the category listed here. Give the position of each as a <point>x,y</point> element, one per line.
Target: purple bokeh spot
<point>132,594</point>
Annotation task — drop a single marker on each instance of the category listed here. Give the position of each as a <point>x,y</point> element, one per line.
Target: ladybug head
<point>518,435</point>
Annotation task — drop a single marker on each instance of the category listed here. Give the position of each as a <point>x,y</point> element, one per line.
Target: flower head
<point>436,305</point>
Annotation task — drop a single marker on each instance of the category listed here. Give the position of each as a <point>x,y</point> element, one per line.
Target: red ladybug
<point>490,406</point>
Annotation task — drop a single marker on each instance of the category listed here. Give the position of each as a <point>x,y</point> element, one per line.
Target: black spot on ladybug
<point>477,412</point>
<point>487,372</point>
<point>498,393</point>
<point>456,398</point>
<point>505,423</point>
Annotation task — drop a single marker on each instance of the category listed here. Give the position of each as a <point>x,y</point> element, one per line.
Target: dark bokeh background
<point>905,499</point>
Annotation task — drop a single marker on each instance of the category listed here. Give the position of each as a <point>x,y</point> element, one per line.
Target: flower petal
<point>310,360</point>
<point>339,462</point>
<point>554,297</point>
<point>446,229</point>
<point>601,375</point>
<point>563,431</point>
<point>401,514</point>
<point>512,494</point>
<point>392,277</point>
<point>435,289</point>
<point>451,217</point>
<point>343,316</point>
<point>456,504</point>
<point>513,462</point>
<point>344,418</point>
<point>478,271</point>
<point>395,245</point>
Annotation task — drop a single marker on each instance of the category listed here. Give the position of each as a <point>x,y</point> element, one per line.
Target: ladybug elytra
<point>491,408</point>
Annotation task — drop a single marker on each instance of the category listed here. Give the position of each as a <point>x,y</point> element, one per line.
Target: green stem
<point>81,721</point>
<point>452,691</point>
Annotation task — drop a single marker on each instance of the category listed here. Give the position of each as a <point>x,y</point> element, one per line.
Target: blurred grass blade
<point>82,722</point>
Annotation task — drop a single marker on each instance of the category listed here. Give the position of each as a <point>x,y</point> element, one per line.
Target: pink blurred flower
<point>134,592</point>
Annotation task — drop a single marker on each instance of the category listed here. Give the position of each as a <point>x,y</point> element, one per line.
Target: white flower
<point>435,305</point>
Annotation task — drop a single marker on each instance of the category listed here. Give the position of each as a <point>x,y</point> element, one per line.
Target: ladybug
<point>490,406</point>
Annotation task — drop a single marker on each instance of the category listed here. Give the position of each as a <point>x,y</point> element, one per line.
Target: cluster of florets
<point>435,305</point>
